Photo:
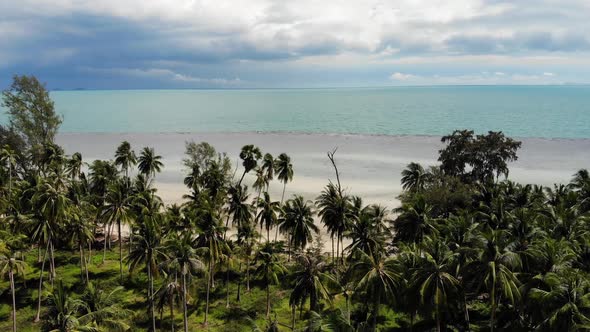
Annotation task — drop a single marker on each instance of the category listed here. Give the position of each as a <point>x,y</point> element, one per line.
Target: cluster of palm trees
<point>457,254</point>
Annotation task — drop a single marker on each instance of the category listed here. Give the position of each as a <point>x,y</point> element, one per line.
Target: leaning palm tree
<point>414,177</point>
<point>284,171</point>
<point>297,222</point>
<point>11,265</point>
<point>149,163</point>
<point>250,155</point>
<point>125,157</point>
<point>269,270</point>
<point>183,257</point>
<point>74,166</point>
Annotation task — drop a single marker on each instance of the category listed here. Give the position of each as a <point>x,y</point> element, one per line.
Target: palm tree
<point>376,275</point>
<point>11,265</point>
<point>267,168</point>
<point>149,163</point>
<point>238,208</point>
<point>147,249</point>
<point>167,295</point>
<point>284,171</point>
<point>182,257</point>
<point>81,233</point>
<point>250,155</point>
<point>8,156</point>
<point>125,157</point>
<point>564,301</point>
<point>414,177</point>
<point>267,216</point>
<point>311,280</point>
<point>117,209</point>
<point>495,268</point>
<point>297,221</point>
<point>367,230</point>
<point>269,270</point>
<point>105,308</point>
<point>434,277</point>
<point>414,221</point>
<point>74,166</point>
<point>335,213</point>
<point>210,240</point>
<point>64,311</point>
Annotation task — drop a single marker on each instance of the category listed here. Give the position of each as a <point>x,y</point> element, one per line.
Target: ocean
<point>519,111</point>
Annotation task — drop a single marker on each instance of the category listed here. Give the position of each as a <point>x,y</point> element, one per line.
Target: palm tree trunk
<point>172,313</point>
<point>120,253</point>
<point>438,318</point>
<point>41,283</point>
<point>376,311</point>
<point>267,299</point>
<point>493,312</point>
<point>151,297</point>
<point>208,290</point>
<point>239,281</point>
<point>227,287</point>
<point>293,318</point>
<point>248,273</point>
<point>337,247</point>
<point>332,238</point>
<point>242,178</point>
<point>52,256</point>
<point>82,261</point>
<point>283,195</point>
<point>104,247</point>
<point>184,309</point>
<point>11,275</point>
<point>466,312</point>
<point>85,265</point>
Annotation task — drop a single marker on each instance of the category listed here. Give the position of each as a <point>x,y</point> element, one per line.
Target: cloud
<point>401,77</point>
<point>268,42</point>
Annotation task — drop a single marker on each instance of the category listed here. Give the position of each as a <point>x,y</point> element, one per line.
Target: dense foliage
<point>86,247</point>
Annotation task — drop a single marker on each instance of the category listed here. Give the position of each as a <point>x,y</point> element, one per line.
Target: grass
<point>236,317</point>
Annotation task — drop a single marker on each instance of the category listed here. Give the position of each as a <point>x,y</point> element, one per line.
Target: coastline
<point>370,165</point>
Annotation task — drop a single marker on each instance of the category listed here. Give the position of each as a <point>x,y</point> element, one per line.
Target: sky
<point>162,44</point>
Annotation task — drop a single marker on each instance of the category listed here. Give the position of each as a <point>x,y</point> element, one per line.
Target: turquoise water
<point>522,111</point>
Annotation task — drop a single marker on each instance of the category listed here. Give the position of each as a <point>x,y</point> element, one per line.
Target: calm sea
<point>521,111</point>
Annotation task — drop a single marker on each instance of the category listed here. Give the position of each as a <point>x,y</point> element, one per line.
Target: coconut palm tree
<point>311,280</point>
<point>284,171</point>
<point>125,157</point>
<point>147,248</point>
<point>183,257</point>
<point>414,221</point>
<point>149,163</point>
<point>238,209</point>
<point>267,168</point>
<point>250,155</point>
<point>269,270</point>
<point>434,277</point>
<point>64,310</point>
<point>117,209</point>
<point>11,264</point>
<point>335,212</point>
<point>297,221</point>
<point>376,275</point>
<point>8,156</point>
<point>81,234</point>
<point>268,215</point>
<point>564,301</point>
<point>74,166</point>
<point>105,308</point>
<point>414,177</point>
<point>367,230</point>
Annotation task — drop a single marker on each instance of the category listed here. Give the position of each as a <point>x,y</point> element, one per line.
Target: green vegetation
<point>465,250</point>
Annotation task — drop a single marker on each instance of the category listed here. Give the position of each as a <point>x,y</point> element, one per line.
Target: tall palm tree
<point>267,217</point>
<point>414,177</point>
<point>125,157</point>
<point>414,221</point>
<point>81,234</point>
<point>284,171</point>
<point>297,221</point>
<point>269,270</point>
<point>11,265</point>
<point>335,213</point>
<point>183,257</point>
<point>147,248</point>
<point>238,209</point>
<point>267,168</point>
<point>367,230</point>
<point>149,163</point>
<point>117,209</point>
<point>250,155</point>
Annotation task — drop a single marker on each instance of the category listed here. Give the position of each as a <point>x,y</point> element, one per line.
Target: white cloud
<point>401,77</point>
<point>165,74</point>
